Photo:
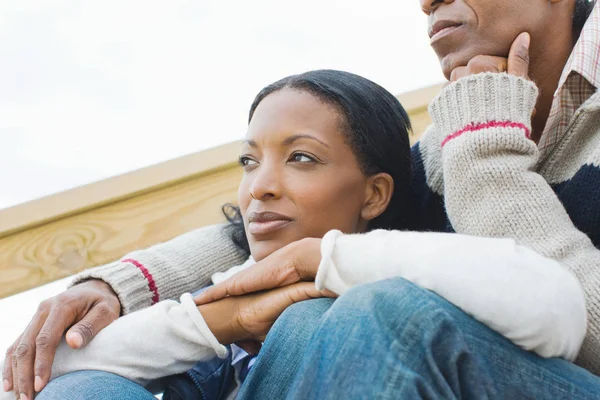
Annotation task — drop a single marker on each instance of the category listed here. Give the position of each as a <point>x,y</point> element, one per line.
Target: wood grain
<point>64,247</point>
<point>60,235</point>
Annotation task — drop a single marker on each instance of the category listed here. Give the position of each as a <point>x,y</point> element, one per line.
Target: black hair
<point>376,127</point>
<point>583,9</point>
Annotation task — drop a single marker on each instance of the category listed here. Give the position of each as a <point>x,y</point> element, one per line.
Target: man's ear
<point>380,189</point>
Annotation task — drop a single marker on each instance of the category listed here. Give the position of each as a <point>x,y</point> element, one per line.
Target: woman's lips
<point>265,227</point>
<point>444,32</point>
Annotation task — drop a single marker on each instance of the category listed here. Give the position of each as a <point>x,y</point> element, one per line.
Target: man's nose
<point>266,183</point>
<point>429,6</point>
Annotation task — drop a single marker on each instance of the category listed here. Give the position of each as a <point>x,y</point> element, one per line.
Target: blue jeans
<point>389,339</point>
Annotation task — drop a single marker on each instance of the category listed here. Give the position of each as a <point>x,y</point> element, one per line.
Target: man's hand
<point>516,64</point>
<point>293,263</point>
<point>247,319</point>
<point>86,309</point>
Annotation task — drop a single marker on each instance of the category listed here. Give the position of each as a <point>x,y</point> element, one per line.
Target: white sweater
<point>528,298</point>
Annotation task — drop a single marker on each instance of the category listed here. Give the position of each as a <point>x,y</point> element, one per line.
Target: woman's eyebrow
<point>293,138</point>
<point>250,143</point>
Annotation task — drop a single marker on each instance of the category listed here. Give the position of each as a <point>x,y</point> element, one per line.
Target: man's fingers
<point>518,57</point>
<point>24,354</point>
<point>458,73</point>
<point>7,375</point>
<point>45,347</point>
<point>99,317</point>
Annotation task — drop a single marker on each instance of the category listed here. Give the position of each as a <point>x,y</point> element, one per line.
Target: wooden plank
<point>94,195</point>
<point>60,235</point>
<point>61,248</point>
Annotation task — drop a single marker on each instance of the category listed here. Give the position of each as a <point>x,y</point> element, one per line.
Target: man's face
<point>463,29</point>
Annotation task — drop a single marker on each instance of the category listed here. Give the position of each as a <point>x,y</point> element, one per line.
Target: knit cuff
<point>126,279</point>
<point>487,100</point>
<point>327,274</point>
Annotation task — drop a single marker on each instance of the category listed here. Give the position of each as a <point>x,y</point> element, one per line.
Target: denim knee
<point>395,304</point>
<point>300,313</point>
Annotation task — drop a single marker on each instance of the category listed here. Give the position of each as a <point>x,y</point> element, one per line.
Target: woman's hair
<point>376,128</point>
<point>583,9</point>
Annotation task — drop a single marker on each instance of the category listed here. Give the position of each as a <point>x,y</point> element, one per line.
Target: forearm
<point>167,270</point>
<point>490,187</point>
<point>161,340</point>
<point>504,285</point>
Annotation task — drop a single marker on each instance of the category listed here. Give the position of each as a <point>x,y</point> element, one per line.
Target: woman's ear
<point>380,189</point>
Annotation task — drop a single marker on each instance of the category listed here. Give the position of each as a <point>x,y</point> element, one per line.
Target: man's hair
<point>583,9</point>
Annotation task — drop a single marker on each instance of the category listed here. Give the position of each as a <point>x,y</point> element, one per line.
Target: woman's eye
<point>301,158</point>
<point>247,161</point>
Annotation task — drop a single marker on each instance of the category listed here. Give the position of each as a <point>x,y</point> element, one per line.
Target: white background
<point>90,89</point>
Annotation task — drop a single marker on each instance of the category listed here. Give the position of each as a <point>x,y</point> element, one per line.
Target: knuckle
<point>45,305</point>
<point>43,340</point>
<point>86,329</point>
<point>106,312</point>
<point>23,350</point>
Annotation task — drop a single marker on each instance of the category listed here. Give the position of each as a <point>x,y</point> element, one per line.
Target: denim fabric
<point>388,340</point>
<point>211,379</point>
<point>93,385</point>
<point>280,357</point>
<point>393,340</point>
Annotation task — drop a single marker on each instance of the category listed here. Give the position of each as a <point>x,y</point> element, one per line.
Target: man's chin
<point>451,61</point>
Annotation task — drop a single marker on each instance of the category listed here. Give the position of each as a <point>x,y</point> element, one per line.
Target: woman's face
<point>301,178</point>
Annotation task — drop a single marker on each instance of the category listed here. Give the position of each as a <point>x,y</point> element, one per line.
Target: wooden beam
<point>98,194</point>
<point>60,235</point>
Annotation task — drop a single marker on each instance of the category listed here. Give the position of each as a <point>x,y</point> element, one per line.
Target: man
<point>545,196</point>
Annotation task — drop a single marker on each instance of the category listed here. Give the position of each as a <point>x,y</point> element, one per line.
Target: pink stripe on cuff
<point>488,125</point>
<point>148,276</point>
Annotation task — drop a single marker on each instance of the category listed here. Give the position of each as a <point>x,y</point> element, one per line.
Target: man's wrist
<point>99,284</point>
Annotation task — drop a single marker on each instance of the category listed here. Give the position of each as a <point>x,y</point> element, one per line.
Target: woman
<point>325,151</point>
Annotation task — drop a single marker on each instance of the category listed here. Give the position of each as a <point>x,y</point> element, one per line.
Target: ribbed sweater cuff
<point>126,280</point>
<point>487,98</point>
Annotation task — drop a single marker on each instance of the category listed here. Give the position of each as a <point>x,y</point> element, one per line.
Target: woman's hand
<point>248,318</point>
<point>298,261</point>
<point>84,310</point>
<point>516,64</point>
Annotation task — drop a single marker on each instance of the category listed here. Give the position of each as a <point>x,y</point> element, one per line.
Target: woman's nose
<point>266,183</point>
<point>429,6</point>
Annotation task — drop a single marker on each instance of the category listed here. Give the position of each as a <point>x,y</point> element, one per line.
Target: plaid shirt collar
<point>579,81</point>
<point>585,58</point>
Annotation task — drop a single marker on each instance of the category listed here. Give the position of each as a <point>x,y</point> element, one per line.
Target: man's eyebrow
<point>293,138</point>
<point>250,143</point>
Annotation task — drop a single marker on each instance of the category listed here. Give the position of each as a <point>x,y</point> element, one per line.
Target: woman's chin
<point>264,248</point>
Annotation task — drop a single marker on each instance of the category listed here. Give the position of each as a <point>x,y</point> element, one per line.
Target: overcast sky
<point>91,89</point>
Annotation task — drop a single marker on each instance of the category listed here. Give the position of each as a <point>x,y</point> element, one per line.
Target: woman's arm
<point>165,339</point>
<point>528,298</point>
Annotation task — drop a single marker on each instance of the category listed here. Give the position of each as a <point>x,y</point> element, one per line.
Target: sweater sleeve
<point>491,188</point>
<point>165,271</point>
<point>528,298</point>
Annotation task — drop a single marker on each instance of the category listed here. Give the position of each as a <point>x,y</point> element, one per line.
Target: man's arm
<point>141,279</point>
<point>491,189</point>
<point>167,270</point>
